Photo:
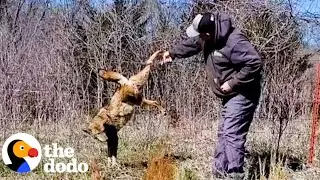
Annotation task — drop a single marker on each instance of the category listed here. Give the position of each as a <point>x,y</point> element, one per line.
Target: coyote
<point>112,117</point>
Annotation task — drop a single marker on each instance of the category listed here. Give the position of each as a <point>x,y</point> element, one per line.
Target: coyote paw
<point>112,162</point>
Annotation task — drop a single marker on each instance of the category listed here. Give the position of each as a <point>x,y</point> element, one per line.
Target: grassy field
<point>50,54</point>
<point>151,148</point>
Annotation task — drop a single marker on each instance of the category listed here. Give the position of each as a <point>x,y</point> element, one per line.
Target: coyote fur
<point>112,117</point>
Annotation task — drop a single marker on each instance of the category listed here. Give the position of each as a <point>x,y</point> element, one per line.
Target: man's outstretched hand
<point>166,58</point>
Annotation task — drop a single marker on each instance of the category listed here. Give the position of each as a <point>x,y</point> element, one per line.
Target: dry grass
<point>49,56</point>
<point>161,168</point>
<point>171,153</point>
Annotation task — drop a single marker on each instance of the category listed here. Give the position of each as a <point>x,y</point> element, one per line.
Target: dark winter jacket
<point>229,56</point>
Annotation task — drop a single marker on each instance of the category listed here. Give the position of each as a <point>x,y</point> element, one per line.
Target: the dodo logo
<point>21,152</point>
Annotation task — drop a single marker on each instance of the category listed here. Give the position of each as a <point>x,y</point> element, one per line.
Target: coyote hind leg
<point>113,76</point>
<point>142,77</point>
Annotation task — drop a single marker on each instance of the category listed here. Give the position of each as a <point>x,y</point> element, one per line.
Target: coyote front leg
<point>146,102</point>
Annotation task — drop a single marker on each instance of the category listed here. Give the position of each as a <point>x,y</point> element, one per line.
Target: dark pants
<point>113,140</point>
<point>237,114</point>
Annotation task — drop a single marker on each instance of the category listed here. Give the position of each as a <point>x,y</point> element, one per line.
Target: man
<point>233,68</point>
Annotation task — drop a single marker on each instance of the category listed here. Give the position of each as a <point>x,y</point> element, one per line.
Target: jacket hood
<point>223,28</point>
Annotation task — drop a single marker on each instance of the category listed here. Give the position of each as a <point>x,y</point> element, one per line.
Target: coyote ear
<point>113,76</point>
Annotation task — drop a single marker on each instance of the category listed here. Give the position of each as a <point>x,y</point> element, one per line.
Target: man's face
<point>205,36</point>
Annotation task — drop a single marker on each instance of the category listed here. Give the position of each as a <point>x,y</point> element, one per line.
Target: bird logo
<point>21,152</point>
